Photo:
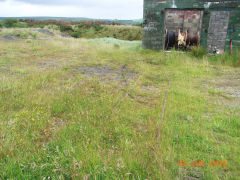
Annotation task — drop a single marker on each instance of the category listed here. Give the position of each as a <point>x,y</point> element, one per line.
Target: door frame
<point>202,10</point>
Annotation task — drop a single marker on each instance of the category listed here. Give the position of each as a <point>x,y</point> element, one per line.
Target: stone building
<point>216,21</point>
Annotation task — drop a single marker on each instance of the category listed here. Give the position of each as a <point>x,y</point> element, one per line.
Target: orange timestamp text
<point>203,163</point>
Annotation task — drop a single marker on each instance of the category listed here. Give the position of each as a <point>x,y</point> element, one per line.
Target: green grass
<point>56,123</point>
<point>226,59</point>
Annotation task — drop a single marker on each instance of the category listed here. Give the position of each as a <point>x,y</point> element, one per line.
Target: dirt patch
<point>44,31</point>
<point>229,87</point>
<point>149,88</point>
<point>65,35</point>
<point>50,64</point>
<point>11,38</point>
<point>57,124</point>
<point>106,73</point>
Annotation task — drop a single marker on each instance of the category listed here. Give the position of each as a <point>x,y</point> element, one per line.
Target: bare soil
<point>44,31</point>
<point>229,86</point>
<point>10,38</point>
<point>106,73</point>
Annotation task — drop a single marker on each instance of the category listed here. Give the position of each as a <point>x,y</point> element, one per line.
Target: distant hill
<point>135,21</point>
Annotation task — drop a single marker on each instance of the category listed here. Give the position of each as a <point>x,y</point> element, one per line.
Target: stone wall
<point>154,19</point>
<point>217,31</point>
<point>184,20</point>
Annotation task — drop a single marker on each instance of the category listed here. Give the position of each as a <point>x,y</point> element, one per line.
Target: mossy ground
<point>57,123</point>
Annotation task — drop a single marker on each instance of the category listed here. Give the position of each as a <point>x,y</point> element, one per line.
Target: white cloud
<point>109,9</point>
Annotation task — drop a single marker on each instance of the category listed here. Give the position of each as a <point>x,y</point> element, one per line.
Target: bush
<point>21,25</point>
<point>97,27</point>
<point>41,26</point>
<point>8,23</point>
<point>76,35</point>
<point>66,28</point>
<point>55,27</point>
<point>198,52</point>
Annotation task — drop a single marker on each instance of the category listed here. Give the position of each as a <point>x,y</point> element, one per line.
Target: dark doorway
<point>189,21</point>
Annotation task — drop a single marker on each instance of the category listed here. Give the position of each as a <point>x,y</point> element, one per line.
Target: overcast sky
<point>109,9</point>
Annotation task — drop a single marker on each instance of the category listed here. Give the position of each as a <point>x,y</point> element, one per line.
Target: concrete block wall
<point>183,20</point>
<point>217,31</point>
<point>154,19</point>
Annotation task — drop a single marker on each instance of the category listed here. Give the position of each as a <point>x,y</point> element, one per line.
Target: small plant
<point>97,27</point>
<point>75,34</point>
<point>198,52</point>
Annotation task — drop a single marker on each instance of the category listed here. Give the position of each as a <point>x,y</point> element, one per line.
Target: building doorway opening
<point>182,28</point>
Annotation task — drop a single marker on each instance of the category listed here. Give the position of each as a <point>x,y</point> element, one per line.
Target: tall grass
<point>227,59</point>
<point>198,52</point>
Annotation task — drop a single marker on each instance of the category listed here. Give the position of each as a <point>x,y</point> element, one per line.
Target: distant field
<point>80,29</point>
<point>131,33</point>
<point>107,109</point>
<point>127,22</point>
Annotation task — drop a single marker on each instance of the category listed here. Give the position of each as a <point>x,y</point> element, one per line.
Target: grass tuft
<point>198,52</point>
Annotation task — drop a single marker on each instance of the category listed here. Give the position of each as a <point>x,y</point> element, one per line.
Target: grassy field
<point>130,33</point>
<point>106,109</point>
<point>80,29</point>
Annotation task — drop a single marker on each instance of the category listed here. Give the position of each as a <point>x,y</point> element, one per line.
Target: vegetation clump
<point>227,59</point>
<point>13,23</point>
<point>198,52</point>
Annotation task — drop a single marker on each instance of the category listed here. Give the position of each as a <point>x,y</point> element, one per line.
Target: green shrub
<point>198,52</point>
<point>42,26</point>
<point>21,25</point>
<point>75,34</point>
<point>8,23</point>
<point>80,26</point>
<point>66,28</point>
<point>55,27</point>
<point>97,27</point>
